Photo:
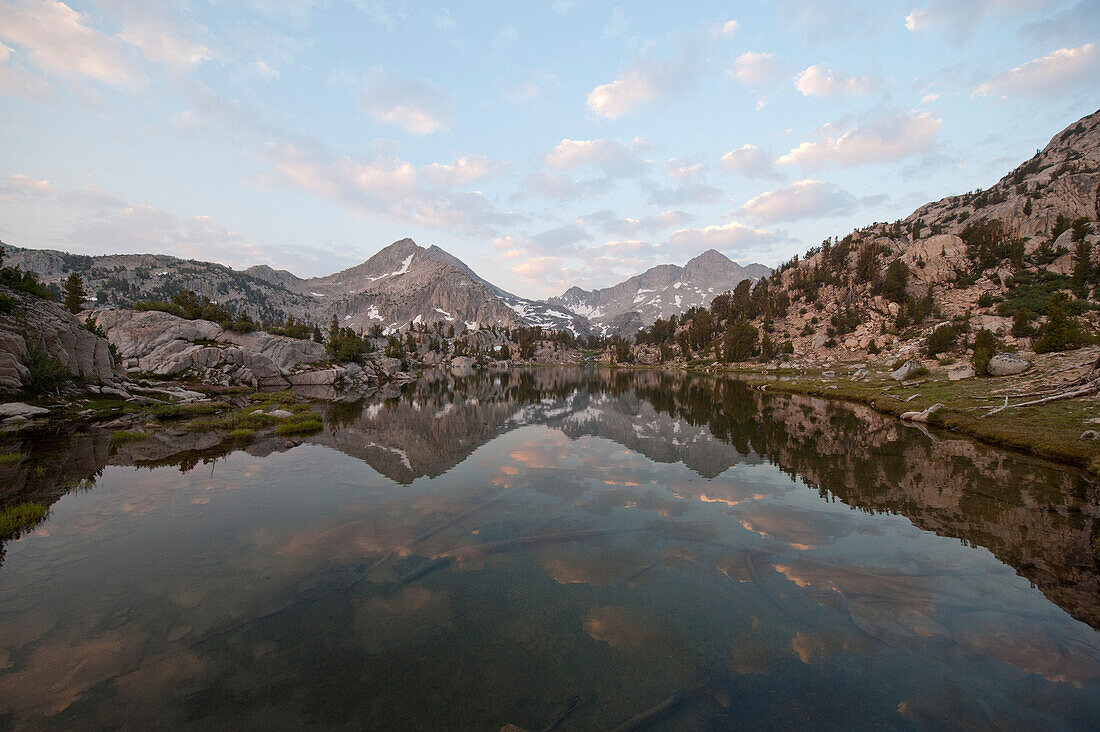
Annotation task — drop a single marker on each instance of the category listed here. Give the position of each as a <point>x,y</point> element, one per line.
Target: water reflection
<point>552,545</point>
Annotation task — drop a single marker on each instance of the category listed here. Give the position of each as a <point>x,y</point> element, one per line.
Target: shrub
<point>985,345</point>
<point>1062,331</point>
<point>9,458</point>
<point>1021,324</point>
<point>897,277</point>
<point>47,373</point>
<point>941,339</point>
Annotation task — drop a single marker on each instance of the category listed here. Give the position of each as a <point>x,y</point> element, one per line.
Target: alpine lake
<point>560,549</point>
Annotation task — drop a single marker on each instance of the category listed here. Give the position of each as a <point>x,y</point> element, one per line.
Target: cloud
<point>561,238</point>
<point>417,106</point>
<point>1061,71</point>
<point>265,71</point>
<point>443,19</point>
<point>553,185</point>
<point>648,80</point>
<point>805,199</point>
<point>752,68</point>
<point>609,223</point>
<point>818,80</point>
<point>464,169</point>
<point>1080,22</point>
<point>886,139</point>
<point>384,185</point>
<point>617,25</point>
<point>531,88</point>
<point>727,29</point>
<point>16,80</point>
<point>614,158</point>
<point>174,42</point>
<point>960,19</point>
<point>749,161</point>
<point>734,238</point>
<point>58,40</point>
<point>682,170</point>
<point>685,193</point>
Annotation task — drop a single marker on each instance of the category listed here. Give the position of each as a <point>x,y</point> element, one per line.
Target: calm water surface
<point>553,549</point>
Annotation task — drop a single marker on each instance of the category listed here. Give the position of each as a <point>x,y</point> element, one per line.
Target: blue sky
<point>545,143</point>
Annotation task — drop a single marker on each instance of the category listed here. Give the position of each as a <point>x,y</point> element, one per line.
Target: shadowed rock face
<point>1041,519</point>
<point>55,331</point>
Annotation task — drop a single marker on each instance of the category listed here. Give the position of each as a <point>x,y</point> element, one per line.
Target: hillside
<point>1001,259</point>
<point>659,292</point>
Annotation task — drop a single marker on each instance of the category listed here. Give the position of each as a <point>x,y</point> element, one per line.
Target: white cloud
<point>264,70</point>
<point>733,238</point>
<point>57,39</point>
<point>680,195</point>
<point>16,80</point>
<point>1050,75</point>
<point>929,98</point>
<point>886,139</point>
<point>612,157</point>
<point>384,185</point>
<point>464,169</point>
<point>683,170</point>
<point>804,199</point>
<point>749,161</point>
<point>817,80</point>
<point>728,28</point>
<point>752,68</point>
<point>417,106</point>
<point>649,80</point>
<point>611,224</point>
<point>175,42</point>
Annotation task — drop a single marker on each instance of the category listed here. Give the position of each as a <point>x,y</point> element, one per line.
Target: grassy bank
<point>1048,430</point>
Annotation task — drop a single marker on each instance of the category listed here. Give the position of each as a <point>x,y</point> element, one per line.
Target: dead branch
<point>1090,388</point>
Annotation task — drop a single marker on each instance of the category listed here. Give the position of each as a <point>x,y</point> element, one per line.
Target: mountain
<point>658,292</point>
<point>403,283</point>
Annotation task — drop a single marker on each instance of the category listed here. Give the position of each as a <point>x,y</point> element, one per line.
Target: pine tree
<point>74,293</point>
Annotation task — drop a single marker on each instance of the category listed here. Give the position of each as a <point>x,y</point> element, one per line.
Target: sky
<point>547,144</point>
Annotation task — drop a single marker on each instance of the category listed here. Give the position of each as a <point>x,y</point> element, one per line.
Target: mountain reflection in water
<point>553,545</point>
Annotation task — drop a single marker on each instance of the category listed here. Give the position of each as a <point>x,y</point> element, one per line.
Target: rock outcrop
<point>166,345</point>
<point>55,332</point>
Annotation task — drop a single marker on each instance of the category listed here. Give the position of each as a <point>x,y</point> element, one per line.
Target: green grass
<point>20,518</point>
<point>300,424</point>
<point>170,412</point>
<point>242,435</point>
<point>8,459</point>
<point>122,437</point>
<point>249,418</point>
